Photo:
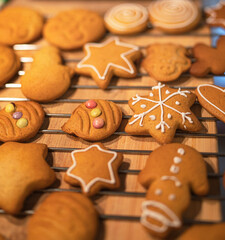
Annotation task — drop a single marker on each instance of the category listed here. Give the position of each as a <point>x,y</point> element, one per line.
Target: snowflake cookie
<point>162,112</point>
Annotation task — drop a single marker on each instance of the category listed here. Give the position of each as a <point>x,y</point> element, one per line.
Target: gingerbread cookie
<point>67,216</point>
<point>212,98</point>
<point>19,25</point>
<point>216,15</point>
<point>204,231</point>
<point>71,29</point>
<point>94,168</point>
<point>23,169</point>
<point>112,57</point>
<point>128,18</point>
<point>47,79</point>
<point>166,62</point>
<point>10,64</point>
<point>161,112</point>
<point>94,120</point>
<point>172,171</point>
<point>174,16</point>
<point>20,121</point>
<point>204,55</point>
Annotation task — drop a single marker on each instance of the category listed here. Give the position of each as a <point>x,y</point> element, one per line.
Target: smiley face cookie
<point>161,112</point>
<point>68,216</point>
<point>20,121</point>
<point>47,79</point>
<point>94,168</point>
<point>94,120</point>
<point>166,62</point>
<point>23,169</point>
<point>128,18</point>
<point>172,171</point>
<point>19,25</point>
<point>71,29</point>
<point>10,64</point>
<point>112,57</point>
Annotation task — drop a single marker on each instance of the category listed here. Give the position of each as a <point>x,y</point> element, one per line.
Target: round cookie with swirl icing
<point>128,18</point>
<point>94,120</point>
<point>20,121</point>
<point>174,16</point>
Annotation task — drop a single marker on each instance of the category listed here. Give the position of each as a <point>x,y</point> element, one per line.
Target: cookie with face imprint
<point>94,120</point>
<point>172,171</point>
<point>47,79</point>
<point>20,121</point>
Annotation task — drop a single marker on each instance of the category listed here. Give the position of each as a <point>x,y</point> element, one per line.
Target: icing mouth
<point>172,221</point>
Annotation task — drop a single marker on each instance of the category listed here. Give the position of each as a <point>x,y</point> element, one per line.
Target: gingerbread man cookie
<point>23,169</point>
<point>172,171</point>
<point>71,29</point>
<point>94,120</point>
<point>47,79</point>
<point>94,168</point>
<point>64,216</point>
<point>127,18</point>
<point>204,55</point>
<point>10,64</point>
<point>112,57</point>
<point>166,62</point>
<point>20,121</point>
<point>216,15</point>
<point>161,112</point>
<point>19,25</point>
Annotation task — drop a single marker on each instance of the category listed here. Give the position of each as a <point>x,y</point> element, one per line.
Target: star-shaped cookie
<point>162,112</point>
<point>112,57</point>
<point>94,168</point>
<point>216,15</point>
<point>23,169</point>
<point>209,59</point>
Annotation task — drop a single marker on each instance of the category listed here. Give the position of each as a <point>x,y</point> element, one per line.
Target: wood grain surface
<point>14,228</point>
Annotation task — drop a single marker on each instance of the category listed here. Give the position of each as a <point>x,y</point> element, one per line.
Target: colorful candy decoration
<point>9,108</point>
<point>22,122</point>
<point>98,123</point>
<point>91,104</point>
<point>96,112</point>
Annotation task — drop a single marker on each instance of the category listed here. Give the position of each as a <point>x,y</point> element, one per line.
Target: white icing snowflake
<point>161,103</point>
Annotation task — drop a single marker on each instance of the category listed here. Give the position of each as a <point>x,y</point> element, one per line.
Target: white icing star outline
<point>160,103</point>
<point>87,186</point>
<point>123,56</point>
<point>212,12</point>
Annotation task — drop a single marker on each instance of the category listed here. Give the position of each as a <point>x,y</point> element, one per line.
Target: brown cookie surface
<point>94,120</point>
<point>204,55</point>
<point>47,79</point>
<point>64,216</point>
<point>20,121</point>
<point>71,29</point>
<point>166,62</point>
<point>23,170</point>
<point>161,112</point>
<point>19,25</point>
<point>94,168</point>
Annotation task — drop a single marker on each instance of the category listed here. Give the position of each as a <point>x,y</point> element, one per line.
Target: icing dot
<point>10,107</point>
<point>90,104</point>
<point>96,112</point>
<point>185,126</point>
<point>98,123</point>
<point>22,122</point>
<point>152,117</point>
<point>177,160</point>
<point>143,106</point>
<point>158,191</point>
<point>178,184</point>
<point>17,115</point>
<point>169,116</point>
<point>172,197</point>
<point>177,103</point>
<point>151,94</point>
<point>181,151</point>
<point>167,92</point>
<point>174,169</point>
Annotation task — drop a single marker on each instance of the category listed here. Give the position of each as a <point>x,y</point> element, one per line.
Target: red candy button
<point>98,123</point>
<point>90,104</point>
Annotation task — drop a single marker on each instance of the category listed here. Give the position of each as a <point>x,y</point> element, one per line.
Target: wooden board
<point>110,204</point>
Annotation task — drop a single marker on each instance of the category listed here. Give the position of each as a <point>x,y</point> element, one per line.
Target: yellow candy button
<point>96,112</point>
<point>22,122</point>
<point>10,108</point>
